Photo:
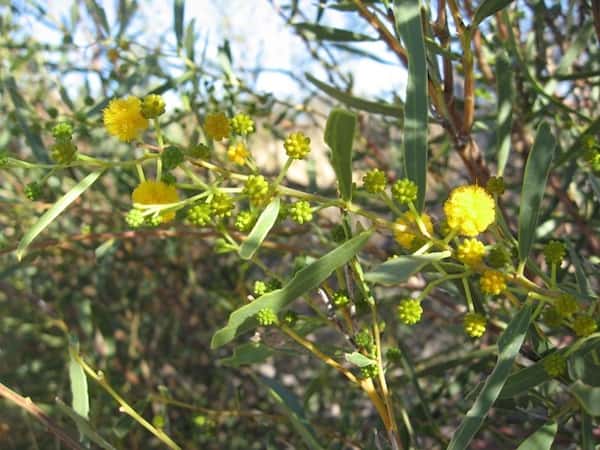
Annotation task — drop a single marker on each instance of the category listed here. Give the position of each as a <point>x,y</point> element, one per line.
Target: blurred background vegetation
<point>145,303</point>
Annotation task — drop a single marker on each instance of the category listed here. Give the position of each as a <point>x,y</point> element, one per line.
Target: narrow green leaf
<point>355,102</point>
<point>260,230</point>
<point>504,89</point>
<point>55,210</point>
<point>84,426</point>
<point>178,11</point>
<point>248,353</point>
<point>323,33</point>
<point>309,278</point>
<point>488,8</point>
<point>399,269</point>
<point>534,184</point>
<point>509,344</point>
<point>358,359</point>
<point>293,409</point>
<point>542,439</point>
<point>339,136</point>
<point>588,397</point>
<point>79,389</point>
<point>408,24</point>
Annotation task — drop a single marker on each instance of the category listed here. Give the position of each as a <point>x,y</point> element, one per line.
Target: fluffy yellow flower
<point>156,193</point>
<point>238,154</point>
<point>123,118</point>
<point>406,229</point>
<point>470,210</point>
<point>217,126</point>
<point>470,252</point>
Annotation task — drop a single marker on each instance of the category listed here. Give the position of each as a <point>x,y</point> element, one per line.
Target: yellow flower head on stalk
<point>156,193</point>
<point>238,154</point>
<point>123,118</point>
<point>406,229</point>
<point>217,126</point>
<point>470,210</point>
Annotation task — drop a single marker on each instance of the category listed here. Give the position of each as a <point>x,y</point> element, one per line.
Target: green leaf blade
<point>309,278</point>
<point>509,344</point>
<point>55,211</point>
<point>536,174</point>
<point>339,136</point>
<point>416,116</point>
<point>260,230</point>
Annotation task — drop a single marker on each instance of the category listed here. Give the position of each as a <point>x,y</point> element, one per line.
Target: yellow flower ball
<point>492,282</point>
<point>470,210</point>
<point>470,252</point>
<point>123,118</point>
<point>217,126</point>
<point>406,229</point>
<point>238,154</point>
<point>156,193</point>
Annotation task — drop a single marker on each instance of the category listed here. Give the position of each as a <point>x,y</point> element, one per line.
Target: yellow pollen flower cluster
<point>470,210</point>
<point>156,193</point>
<point>406,229</point>
<point>470,252</point>
<point>123,118</point>
<point>238,154</point>
<point>492,282</point>
<point>217,126</point>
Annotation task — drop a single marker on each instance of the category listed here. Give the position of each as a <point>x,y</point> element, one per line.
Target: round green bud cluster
<point>199,151</point>
<point>555,364</point>
<point>495,186</point>
<point>168,178</point>
<point>301,212</point>
<point>199,215</point>
<point>244,221</point>
<point>338,234</point>
<point>33,191</point>
<point>62,131</point>
<point>297,145</point>
<point>242,124</point>
<point>171,157</point>
<point>221,205</point>
<point>155,220</point>
<point>374,181</point>
<point>410,311</point>
<point>290,318</point>
<point>554,252</point>
<point>498,257</point>
<point>63,152</point>
<point>404,191</point>
<point>393,354</point>
<point>370,371</point>
<point>257,190</point>
<point>152,106</point>
<point>363,339</point>
<point>474,324</point>
<point>134,218</point>
<point>266,317</point>
<point>584,325</point>
<point>552,318</point>
<point>341,299</point>
<point>566,305</point>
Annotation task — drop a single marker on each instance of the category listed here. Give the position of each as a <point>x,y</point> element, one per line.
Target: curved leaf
<point>260,230</point>
<point>54,211</point>
<point>534,184</point>
<point>509,344</point>
<point>339,136</point>
<point>309,278</point>
<point>408,24</point>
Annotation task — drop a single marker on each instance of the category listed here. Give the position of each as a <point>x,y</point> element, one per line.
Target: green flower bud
<point>301,212</point>
<point>404,191</point>
<point>374,181</point>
